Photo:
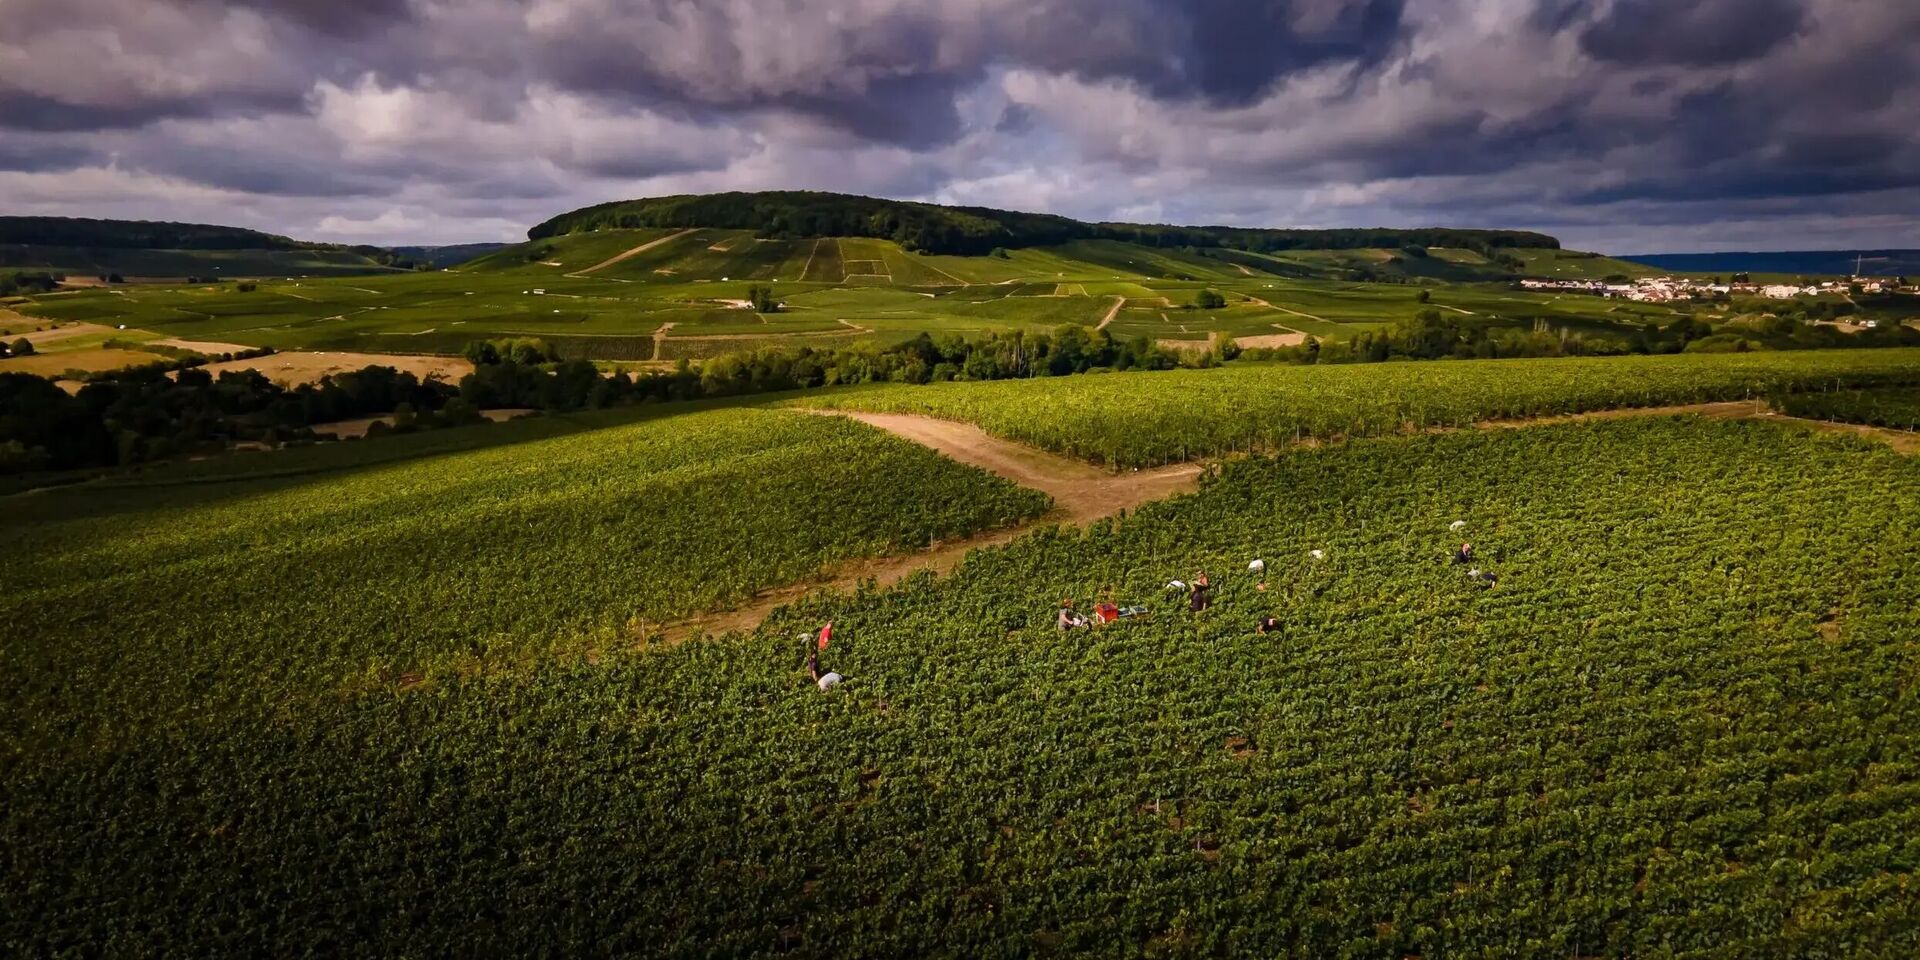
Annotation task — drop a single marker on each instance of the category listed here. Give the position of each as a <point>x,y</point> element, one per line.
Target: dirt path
<point>1112,312</point>
<point>949,276</point>
<point>1296,313</point>
<point>804,268</point>
<point>1902,441</point>
<point>854,329</point>
<point>1725,410</point>
<point>1083,493</point>
<point>636,251</point>
<point>940,559</point>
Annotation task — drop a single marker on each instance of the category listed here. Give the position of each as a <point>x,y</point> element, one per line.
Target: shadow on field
<point>213,479</point>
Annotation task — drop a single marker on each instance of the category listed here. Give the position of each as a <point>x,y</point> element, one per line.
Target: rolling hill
<point>936,228</point>
<point>670,279</point>
<point>152,249</point>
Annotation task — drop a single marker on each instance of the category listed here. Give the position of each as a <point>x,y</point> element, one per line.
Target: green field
<point>1131,421</point>
<point>386,705</point>
<point>606,294</point>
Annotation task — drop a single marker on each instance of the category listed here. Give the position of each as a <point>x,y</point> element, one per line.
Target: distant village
<point>1664,289</point>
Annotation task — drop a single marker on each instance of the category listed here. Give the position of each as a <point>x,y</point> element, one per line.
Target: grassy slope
<point>1670,729</point>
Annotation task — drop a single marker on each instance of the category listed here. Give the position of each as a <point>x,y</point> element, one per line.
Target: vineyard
<point>1683,724</point>
<point>164,605</point>
<point>1129,421</point>
<point>1895,407</point>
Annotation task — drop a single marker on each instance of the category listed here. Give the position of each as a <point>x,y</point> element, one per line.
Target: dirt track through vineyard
<point>1083,493</point>
<point>636,251</point>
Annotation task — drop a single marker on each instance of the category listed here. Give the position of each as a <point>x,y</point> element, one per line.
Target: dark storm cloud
<point>890,70</point>
<point>1699,33</point>
<point>1234,50</point>
<point>1278,111</point>
<point>20,110</point>
<point>272,173</point>
<point>339,18</point>
<point>31,154</point>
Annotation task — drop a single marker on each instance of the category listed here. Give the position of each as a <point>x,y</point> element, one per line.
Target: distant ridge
<point>159,248</point>
<point>1874,263</point>
<point>936,228</point>
<point>447,255</point>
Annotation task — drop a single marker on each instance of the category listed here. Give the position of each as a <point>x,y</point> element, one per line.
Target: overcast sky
<point>1629,126</point>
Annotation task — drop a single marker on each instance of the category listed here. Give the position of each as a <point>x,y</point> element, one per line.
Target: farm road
<point>1083,493</point>
<point>636,251</point>
<point>1271,306</point>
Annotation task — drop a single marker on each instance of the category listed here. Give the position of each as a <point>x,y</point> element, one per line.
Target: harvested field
<point>202,346</point>
<point>350,429</point>
<point>1271,341</point>
<point>1199,346</point>
<point>293,368</point>
<point>41,339</point>
<point>90,361</point>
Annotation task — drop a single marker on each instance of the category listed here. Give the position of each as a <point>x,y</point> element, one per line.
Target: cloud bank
<point>1622,125</point>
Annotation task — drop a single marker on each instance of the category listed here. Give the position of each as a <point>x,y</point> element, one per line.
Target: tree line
<point>142,415</point>
<point>23,282</point>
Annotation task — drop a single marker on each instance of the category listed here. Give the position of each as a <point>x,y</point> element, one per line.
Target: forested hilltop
<point>934,228</point>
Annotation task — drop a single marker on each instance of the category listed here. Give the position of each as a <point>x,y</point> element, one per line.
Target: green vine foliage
<point>1894,407</point>
<point>1683,724</point>
<point>157,608</point>
<point>1188,414</point>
